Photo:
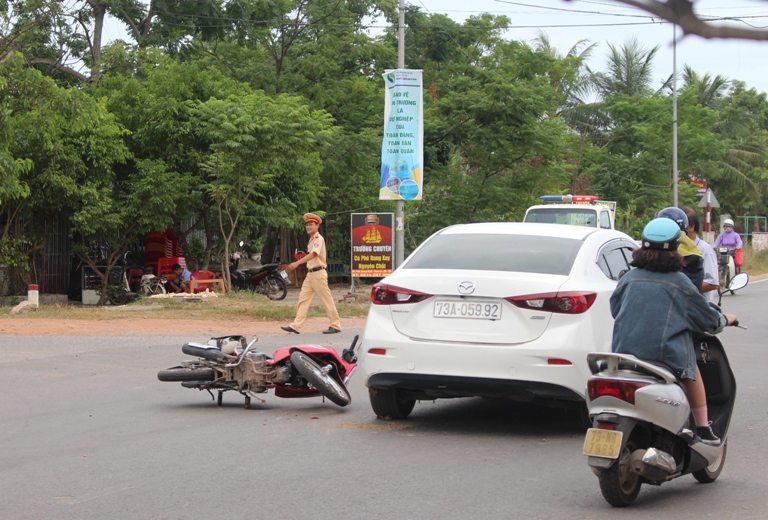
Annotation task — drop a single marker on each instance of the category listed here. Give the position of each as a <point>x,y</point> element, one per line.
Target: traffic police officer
<point>316,281</point>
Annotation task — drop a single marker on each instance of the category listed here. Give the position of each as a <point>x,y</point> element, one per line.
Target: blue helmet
<point>675,214</point>
<point>662,233</point>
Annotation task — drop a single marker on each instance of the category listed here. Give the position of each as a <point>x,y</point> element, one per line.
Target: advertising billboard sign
<point>402,149</point>
<point>372,244</point>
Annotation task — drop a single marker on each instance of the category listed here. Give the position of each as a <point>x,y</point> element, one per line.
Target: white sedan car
<point>504,310</point>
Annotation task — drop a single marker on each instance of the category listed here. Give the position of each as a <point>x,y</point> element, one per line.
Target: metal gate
<point>56,259</point>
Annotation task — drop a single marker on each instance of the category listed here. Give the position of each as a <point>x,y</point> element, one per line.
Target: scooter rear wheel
<point>323,383</point>
<point>619,484</point>
<point>711,472</point>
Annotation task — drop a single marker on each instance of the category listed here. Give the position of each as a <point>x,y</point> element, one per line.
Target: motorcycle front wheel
<point>619,484</point>
<point>273,286</point>
<point>318,378</point>
<point>725,279</point>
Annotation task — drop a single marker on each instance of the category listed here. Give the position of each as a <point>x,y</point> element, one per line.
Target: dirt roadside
<point>158,327</point>
<point>145,325</point>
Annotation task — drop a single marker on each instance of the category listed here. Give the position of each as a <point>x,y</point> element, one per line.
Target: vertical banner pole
<point>400,204</point>
<point>674,116</point>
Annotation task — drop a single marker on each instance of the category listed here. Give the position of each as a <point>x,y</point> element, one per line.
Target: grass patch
<point>755,262</point>
<point>238,306</point>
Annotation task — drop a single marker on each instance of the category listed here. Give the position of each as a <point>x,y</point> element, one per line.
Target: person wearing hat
<point>657,309</point>
<point>711,273</point>
<point>693,258</point>
<point>730,239</point>
<point>316,281</point>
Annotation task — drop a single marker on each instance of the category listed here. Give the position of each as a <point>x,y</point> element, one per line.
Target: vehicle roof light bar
<point>592,199</point>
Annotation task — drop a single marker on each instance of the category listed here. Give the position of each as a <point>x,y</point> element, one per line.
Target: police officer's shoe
<point>331,330</point>
<point>707,436</point>
<point>290,329</point>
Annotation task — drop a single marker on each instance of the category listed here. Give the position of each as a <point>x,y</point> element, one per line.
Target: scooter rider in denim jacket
<point>657,309</point>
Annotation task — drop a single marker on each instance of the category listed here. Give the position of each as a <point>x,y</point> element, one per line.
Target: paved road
<point>88,432</point>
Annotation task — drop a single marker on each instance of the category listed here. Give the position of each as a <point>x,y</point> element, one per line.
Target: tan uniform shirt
<point>317,244</point>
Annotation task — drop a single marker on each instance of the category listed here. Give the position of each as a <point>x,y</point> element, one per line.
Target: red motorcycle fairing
<point>318,351</point>
<point>284,353</point>
<point>322,354</point>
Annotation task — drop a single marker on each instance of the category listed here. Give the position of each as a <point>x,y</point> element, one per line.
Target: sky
<point>606,21</point>
<point>735,59</point>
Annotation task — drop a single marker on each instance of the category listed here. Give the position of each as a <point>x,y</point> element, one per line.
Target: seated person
<point>182,282</point>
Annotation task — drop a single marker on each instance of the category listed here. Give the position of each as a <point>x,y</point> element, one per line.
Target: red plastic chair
<point>202,275</point>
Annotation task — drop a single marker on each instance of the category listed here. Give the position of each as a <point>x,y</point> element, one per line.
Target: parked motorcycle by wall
<point>267,279</point>
<point>643,429</point>
<point>118,289</point>
<point>229,364</point>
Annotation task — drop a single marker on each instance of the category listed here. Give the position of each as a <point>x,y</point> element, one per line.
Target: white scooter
<point>643,429</point>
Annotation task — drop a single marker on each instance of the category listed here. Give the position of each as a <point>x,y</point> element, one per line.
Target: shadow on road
<point>494,416</point>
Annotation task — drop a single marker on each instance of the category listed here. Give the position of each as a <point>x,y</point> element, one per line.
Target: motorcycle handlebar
<point>736,324</point>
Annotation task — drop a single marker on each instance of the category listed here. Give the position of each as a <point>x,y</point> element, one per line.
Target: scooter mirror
<point>738,282</point>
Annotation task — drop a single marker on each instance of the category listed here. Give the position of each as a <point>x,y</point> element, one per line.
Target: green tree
<point>490,147</point>
<point>630,69</point>
<point>156,106</point>
<point>263,157</point>
<point>709,91</point>
<point>119,207</point>
<point>741,181</point>
<point>71,147</point>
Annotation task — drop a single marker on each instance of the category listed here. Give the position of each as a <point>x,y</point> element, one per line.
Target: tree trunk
<point>99,10</point>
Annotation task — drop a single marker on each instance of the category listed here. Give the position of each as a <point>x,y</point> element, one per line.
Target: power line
<point>571,11</point>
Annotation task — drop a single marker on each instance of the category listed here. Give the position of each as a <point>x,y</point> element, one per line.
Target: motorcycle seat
<point>265,267</point>
<point>634,367</point>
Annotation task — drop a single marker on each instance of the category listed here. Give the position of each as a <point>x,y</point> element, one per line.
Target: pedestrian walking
<point>316,281</point>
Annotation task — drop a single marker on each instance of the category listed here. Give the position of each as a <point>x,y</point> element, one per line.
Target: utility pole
<point>400,204</point>
<point>674,115</point>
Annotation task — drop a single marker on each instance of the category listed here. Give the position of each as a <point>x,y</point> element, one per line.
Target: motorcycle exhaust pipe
<point>652,464</point>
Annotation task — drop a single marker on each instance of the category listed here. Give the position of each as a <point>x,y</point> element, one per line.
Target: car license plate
<point>283,274</point>
<point>476,310</point>
<point>602,443</point>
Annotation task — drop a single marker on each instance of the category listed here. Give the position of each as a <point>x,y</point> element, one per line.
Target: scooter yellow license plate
<point>602,443</point>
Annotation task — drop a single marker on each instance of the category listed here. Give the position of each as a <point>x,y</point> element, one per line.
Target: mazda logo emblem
<point>466,287</point>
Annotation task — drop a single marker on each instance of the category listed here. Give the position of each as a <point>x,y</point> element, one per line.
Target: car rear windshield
<point>575,216</point>
<point>493,252</point>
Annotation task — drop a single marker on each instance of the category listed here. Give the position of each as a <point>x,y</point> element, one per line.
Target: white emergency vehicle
<point>575,210</point>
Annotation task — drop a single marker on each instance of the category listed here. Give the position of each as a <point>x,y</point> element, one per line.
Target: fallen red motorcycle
<point>228,363</point>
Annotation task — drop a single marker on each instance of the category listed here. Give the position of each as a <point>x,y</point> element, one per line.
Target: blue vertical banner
<point>402,149</point>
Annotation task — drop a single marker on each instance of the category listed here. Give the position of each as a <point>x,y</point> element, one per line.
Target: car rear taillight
<point>624,390</point>
<point>563,302</point>
<point>384,294</point>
